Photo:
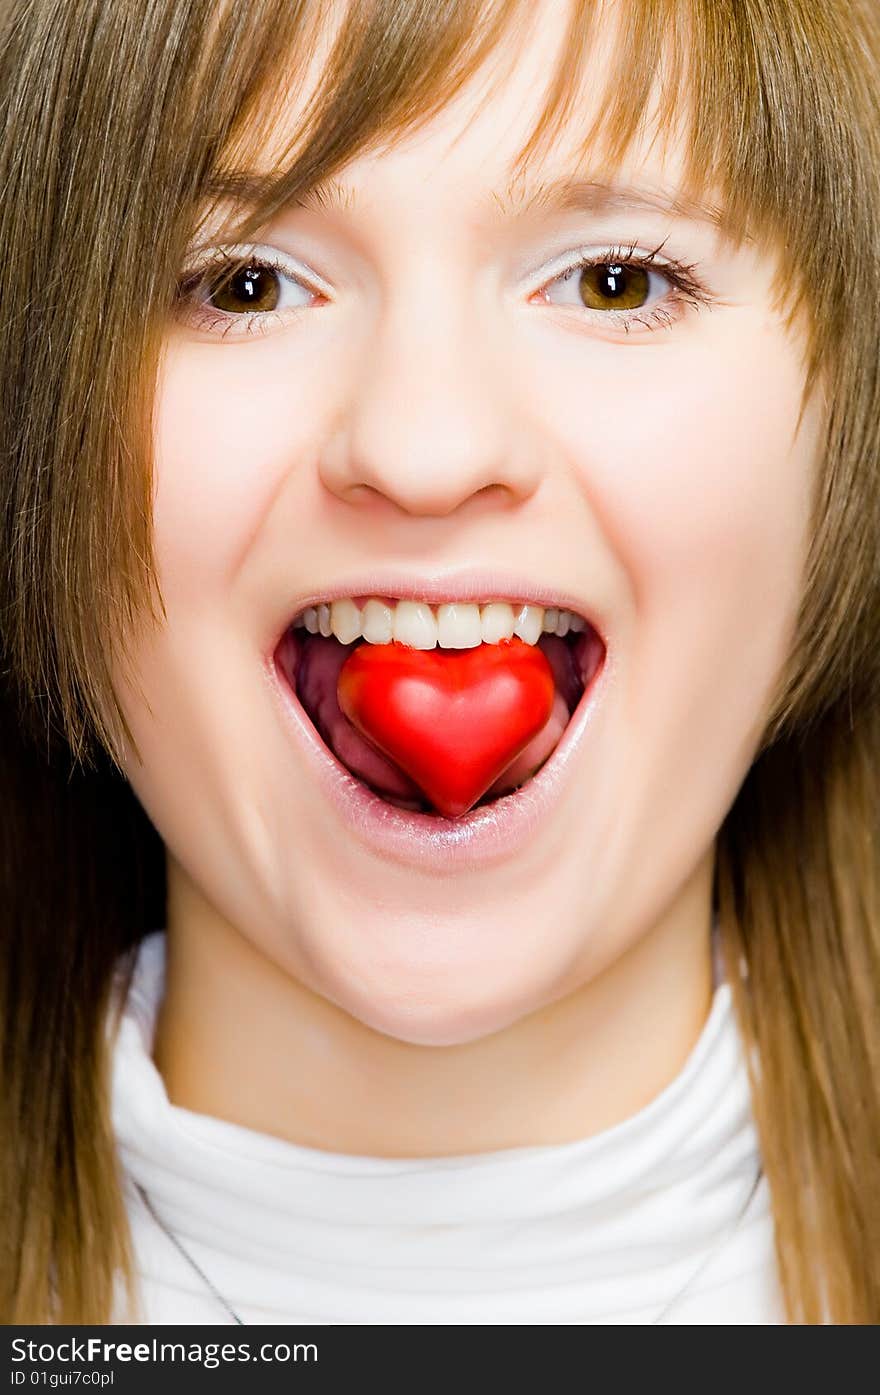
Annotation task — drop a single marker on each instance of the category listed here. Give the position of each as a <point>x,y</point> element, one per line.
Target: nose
<point>429,421</point>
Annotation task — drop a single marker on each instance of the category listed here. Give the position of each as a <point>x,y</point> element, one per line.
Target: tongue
<point>449,726</point>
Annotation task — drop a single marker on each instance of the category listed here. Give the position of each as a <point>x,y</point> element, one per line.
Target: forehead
<point>489,138</point>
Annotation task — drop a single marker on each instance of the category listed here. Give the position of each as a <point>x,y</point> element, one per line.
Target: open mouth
<point>320,639</point>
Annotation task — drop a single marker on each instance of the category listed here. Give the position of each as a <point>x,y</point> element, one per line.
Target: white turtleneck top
<point>655,1220</point>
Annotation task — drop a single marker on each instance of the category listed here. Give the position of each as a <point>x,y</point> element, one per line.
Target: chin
<point>450,1008</point>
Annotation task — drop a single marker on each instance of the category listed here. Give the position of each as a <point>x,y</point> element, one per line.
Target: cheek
<point>225,435</point>
<point>691,467</point>
<point>686,457</point>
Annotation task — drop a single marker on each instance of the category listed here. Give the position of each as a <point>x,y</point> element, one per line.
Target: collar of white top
<point>668,1178</point>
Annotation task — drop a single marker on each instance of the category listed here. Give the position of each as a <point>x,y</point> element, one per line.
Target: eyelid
<point>267,255</point>
<point>208,255</point>
<point>606,251</point>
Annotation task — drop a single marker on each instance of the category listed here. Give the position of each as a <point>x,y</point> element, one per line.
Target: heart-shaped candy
<point>452,719</point>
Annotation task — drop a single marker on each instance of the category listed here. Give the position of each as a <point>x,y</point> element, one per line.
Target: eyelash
<point>687,290</point>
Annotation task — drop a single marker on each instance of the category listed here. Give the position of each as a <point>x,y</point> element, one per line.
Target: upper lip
<point>473,586</point>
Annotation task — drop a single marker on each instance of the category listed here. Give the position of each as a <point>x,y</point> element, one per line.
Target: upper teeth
<point>455,625</point>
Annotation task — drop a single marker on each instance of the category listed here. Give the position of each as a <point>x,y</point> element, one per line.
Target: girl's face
<point>435,404</point>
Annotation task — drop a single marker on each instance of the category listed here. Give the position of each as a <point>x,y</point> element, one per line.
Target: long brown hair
<point>118,123</point>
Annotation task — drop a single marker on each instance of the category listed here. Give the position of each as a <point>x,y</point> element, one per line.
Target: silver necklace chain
<point>188,1257</point>
<point>713,1251</point>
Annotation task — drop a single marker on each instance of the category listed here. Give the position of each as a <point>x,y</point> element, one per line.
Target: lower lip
<point>486,836</point>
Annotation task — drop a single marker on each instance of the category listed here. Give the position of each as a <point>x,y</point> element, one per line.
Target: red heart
<point>453,720</point>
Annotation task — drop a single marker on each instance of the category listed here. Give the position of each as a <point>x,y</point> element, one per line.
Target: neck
<point>239,1039</point>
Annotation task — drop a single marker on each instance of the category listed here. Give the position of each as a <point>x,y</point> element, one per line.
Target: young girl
<point>441,631</point>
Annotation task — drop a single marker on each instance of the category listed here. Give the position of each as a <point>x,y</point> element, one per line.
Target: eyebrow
<point>568,194</point>
<point>596,196</point>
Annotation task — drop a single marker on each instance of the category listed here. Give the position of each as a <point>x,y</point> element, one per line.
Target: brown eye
<point>613,286</point>
<point>253,288</point>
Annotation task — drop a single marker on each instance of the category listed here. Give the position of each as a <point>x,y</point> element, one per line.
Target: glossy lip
<point>475,587</point>
<point>483,838</point>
